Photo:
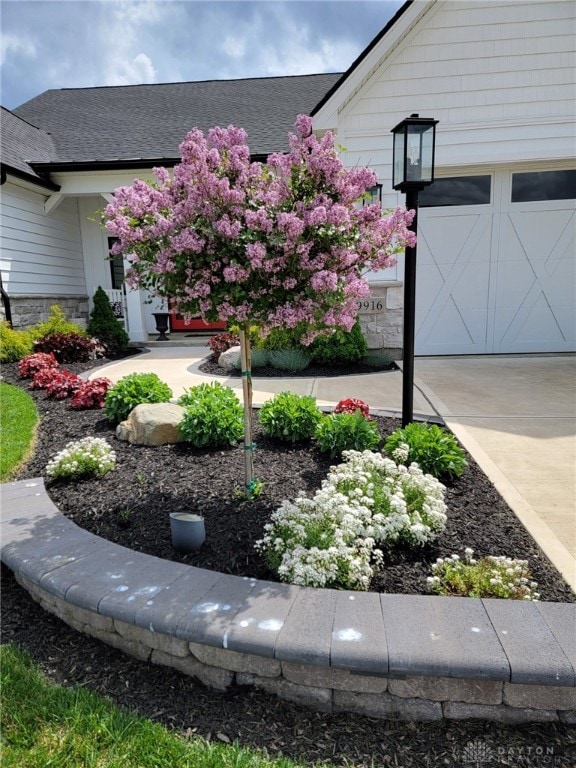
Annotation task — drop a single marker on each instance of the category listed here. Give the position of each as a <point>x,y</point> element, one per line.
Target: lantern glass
<point>414,143</point>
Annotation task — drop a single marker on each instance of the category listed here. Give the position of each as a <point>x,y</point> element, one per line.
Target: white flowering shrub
<point>366,502</point>
<point>82,458</point>
<point>489,576</point>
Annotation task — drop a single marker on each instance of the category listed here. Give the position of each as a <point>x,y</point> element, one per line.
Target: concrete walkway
<point>516,415</point>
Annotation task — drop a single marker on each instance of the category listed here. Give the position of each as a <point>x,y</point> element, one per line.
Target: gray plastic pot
<point>188,531</point>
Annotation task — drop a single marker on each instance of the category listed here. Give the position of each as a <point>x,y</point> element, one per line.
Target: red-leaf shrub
<point>91,394</point>
<point>221,342</point>
<point>63,385</point>
<point>67,347</point>
<point>351,405</point>
<point>44,377</point>
<point>31,364</point>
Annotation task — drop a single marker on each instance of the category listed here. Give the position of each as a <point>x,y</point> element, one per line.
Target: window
<point>116,266</point>
<point>456,190</point>
<point>543,185</point>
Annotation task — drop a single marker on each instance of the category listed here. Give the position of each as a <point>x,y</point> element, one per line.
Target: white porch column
<point>136,324</point>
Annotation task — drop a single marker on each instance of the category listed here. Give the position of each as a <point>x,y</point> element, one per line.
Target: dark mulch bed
<point>150,482</point>
<point>312,372</point>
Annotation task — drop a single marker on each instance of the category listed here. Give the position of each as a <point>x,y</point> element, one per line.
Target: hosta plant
<point>31,364</point>
<point>130,391</point>
<point>339,537</point>
<point>214,416</point>
<point>91,394</point>
<point>340,432</point>
<point>90,456</point>
<point>434,448</point>
<point>290,418</point>
<point>490,576</point>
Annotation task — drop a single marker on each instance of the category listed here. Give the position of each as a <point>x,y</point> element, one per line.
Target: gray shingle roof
<point>150,121</point>
<point>21,141</point>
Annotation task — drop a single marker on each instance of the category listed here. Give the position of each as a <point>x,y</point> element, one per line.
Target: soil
<point>130,506</point>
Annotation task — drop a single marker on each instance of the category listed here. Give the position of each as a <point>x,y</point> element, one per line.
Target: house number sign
<point>371,305</point>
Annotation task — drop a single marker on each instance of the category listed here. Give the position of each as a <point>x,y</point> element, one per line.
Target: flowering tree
<point>282,245</point>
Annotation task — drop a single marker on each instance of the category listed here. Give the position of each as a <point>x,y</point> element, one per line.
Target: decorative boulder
<point>229,358</point>
<point>152,424</point>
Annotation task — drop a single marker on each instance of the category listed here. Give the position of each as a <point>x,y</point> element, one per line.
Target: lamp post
<point>412,170</point>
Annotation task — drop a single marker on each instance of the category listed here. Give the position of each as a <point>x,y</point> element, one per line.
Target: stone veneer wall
<point>30,310</point>
<point>325,689</point>
<point>381,317</point>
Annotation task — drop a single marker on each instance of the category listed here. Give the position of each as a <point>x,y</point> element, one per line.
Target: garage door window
<point>456,190</point>
<point>543,185</point>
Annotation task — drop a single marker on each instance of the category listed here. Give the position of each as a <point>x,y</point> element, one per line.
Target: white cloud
<point>131,72</point>
<point>18,45</point>
<point>234,47</point>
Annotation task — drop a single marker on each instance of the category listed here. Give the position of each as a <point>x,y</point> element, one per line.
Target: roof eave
<point>400,12</point>
<point>39,181</point>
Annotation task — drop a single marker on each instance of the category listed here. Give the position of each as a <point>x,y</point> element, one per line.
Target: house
<point>496,249</point>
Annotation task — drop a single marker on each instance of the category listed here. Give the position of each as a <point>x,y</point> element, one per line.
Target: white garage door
<point>495,264</point>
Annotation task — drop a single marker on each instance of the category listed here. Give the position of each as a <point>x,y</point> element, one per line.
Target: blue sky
<point>81,43</point>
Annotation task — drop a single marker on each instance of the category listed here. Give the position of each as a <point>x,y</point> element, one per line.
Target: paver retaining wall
<point>409,657</point>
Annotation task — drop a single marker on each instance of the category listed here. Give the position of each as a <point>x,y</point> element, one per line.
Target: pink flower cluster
<point>280,244</point>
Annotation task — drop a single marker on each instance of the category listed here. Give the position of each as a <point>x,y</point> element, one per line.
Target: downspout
<point>5,297</point>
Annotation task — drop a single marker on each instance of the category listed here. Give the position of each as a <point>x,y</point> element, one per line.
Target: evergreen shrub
<point>104,325</point>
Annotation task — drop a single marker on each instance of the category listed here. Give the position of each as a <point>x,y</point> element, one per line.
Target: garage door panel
<point>534,325</point>
<point>443,238</point>
<point>448,332</point>
<point>537,235</point>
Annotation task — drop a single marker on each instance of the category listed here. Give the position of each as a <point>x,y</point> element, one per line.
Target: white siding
<point>499,76</point>
<point>41,255</point>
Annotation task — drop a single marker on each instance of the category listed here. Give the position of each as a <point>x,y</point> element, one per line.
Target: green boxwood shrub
<point>340,348</point>
<point>434,449</point>
<point>214,416</point>
<point>14,345</point>
<point>132,390</point>
<point>339,432</point>
<point>289,417</point>
<point>105,326</point>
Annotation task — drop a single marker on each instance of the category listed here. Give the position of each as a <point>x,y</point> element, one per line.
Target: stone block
<point>540,696</point>
<point>152,424</point>
<point>448,689</point>
<point>221,679</point>
<point>338,679</point>
<point>130,647</point>
<point>534,654</point>
<point>395,298</point>
<point>162,612</point>
<point>319,699</point>
<point>358,634</point>
<point>568,717</point>
<point>234,661</point>
<point>434,636</point>
<point>258,621</point>
<point>386,706</point>
<point>208,620</point>
<point>135,634</point>
<point>456,710</point>
<point>561,621</point>
<point>306,636</point>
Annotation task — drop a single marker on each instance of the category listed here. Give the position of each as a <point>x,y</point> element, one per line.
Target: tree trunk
<point>246,364</point>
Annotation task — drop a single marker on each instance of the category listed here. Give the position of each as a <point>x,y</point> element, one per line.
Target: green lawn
<point>48,726</point>
<point>18,419</point>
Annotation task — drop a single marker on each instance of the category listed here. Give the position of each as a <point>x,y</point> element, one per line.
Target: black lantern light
<point>412,170</point>
<point>414,145</point>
